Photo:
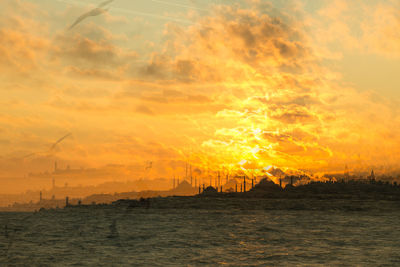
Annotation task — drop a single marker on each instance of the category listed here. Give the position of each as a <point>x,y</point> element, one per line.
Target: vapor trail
<point>178,5</point>
<point>153,16</point>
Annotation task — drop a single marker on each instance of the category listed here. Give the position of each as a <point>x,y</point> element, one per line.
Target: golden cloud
<point>241,84</point>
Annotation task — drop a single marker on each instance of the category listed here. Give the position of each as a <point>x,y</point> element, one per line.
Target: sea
<point>300,235</point>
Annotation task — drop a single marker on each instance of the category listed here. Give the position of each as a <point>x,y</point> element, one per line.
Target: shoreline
<point>263,192</point>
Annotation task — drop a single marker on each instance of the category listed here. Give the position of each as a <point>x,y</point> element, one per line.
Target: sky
<point>223,85</point>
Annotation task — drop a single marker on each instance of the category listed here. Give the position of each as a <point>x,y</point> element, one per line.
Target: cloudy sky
<point>310,85</point>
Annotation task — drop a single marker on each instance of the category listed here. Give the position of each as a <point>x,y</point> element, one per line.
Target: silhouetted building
<point>266,185</point>
<point>210,191</point>
<point>230,185</point>
<point>184,188</point>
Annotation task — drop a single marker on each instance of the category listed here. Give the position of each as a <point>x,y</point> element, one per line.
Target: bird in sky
<point>49,151</point>
<point>92,13</point>
<point>59,141</point>
<point>149,165</point>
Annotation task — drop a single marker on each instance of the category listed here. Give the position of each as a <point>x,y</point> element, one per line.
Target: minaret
<point>219,180</point>
<point>54,183</point>
<point>191,177</point>
<point>55,166</point>
<point>244,183</point>
<point>186,171</point>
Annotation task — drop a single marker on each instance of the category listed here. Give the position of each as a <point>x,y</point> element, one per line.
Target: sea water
<point>115,236</point>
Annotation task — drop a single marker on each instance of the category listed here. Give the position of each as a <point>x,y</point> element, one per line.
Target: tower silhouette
<point>191,177</point>
<point>372,177</point>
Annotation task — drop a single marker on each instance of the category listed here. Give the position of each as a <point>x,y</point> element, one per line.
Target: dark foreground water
<point>109,236</point>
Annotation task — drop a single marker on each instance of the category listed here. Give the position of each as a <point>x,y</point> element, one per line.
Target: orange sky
<point>221,85</point>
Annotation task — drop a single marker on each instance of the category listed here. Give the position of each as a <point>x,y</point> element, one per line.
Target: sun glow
<point>227,87</point>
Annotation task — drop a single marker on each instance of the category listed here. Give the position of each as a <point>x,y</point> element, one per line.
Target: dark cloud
<point>197,171</point>
<point>275,137</point>
<point>244,32</point>
<point>92,54</point>
<point>92,73</point>
<point>219,47</point>
<point>79,49</point>
<point>185,69</point>
<point>303,101</point>
<point>157,67</point>
<point>172,93</point>
<point>144,110</point>
<point>198,99</point>
<point>294,116</point>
